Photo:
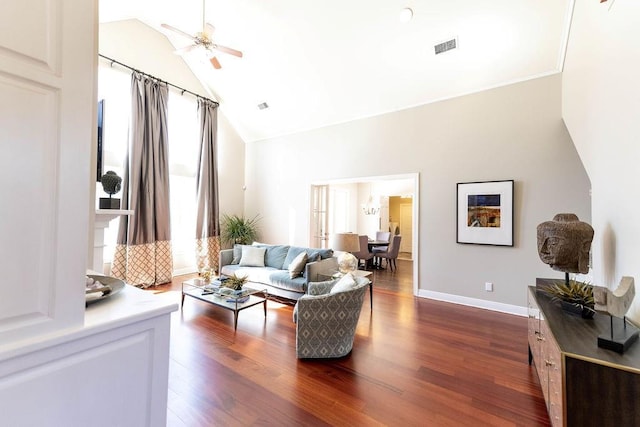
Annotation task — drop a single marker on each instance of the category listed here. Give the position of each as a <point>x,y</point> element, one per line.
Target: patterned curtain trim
<point>208,253</point>
<point>136,264</point>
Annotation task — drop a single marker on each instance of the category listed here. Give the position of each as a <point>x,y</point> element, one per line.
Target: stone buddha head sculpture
<point>564,243</point>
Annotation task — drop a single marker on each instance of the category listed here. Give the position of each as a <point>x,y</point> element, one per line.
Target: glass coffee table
<point>220,296</point>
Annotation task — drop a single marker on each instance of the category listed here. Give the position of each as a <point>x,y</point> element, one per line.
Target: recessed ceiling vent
<point>263,106</point>
<point>445,46</point>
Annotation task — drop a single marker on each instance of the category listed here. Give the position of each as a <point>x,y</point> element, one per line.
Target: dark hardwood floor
<point>414,362</point>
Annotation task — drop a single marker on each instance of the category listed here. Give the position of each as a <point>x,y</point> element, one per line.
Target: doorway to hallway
<point>366,205</point>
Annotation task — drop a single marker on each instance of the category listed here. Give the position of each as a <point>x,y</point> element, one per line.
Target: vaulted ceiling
<point>317,63</point>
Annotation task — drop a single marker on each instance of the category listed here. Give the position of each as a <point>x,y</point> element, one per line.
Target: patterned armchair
<point>326,322</point>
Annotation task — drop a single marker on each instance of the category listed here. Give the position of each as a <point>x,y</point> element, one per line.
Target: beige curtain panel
<point>208,215</point>
<point>143,250</point>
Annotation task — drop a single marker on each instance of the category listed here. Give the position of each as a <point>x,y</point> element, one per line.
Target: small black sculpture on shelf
<point>111,183</point>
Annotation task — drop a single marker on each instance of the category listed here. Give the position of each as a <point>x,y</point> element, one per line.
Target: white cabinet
<point>113,371</point>
<point>59,364</point>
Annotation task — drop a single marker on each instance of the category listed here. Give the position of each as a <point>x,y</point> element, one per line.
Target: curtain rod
<point>183,90</point>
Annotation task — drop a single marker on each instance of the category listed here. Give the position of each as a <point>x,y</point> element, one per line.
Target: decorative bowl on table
<point>98,287</point>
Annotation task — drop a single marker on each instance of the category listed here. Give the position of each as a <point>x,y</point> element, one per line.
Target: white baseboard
<point>181,271</point>
<point>474,302</point>
<point>178,272</point>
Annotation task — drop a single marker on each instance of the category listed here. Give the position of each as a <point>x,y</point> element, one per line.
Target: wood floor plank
<point>414,362</point>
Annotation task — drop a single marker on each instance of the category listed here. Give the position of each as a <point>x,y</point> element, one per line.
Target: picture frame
<point>485,213</point>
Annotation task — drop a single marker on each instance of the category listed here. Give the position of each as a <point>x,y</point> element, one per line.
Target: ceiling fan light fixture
<point>406,15</point>
<point>204,40</point>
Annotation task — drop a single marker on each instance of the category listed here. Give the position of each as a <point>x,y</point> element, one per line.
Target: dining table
<point>373,243</point>
<point>376,243</point>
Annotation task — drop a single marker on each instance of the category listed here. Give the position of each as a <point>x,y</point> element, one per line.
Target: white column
<point>103,218</point>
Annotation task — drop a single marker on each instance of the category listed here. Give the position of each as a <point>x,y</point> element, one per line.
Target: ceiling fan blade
<point>209,29</point>
<point>184,50</point>
<point>227,50</point>
<point>175,30</point>
<point>216,64</point>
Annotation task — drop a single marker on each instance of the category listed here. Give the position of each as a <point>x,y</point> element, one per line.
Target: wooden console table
<point>582,384</point>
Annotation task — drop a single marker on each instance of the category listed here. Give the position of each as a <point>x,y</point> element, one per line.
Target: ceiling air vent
<point>263,106</point>
<point>445,46</point>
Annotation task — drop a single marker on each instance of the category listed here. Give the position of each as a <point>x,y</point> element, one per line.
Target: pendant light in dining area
<point>370,208</point>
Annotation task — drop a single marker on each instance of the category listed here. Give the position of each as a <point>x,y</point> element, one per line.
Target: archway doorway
<point>401,222</point>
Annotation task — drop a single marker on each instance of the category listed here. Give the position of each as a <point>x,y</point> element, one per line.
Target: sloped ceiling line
<point>317,68</point>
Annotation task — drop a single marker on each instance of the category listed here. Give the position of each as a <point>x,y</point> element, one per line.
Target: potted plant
<point>234,282</point>
<point>238,229</point>
<point>574,296</point>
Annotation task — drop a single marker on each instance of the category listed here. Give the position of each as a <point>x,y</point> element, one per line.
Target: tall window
<point>114,87</point>
<point>183,156</point>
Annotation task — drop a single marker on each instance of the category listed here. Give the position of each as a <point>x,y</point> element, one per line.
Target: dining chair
<point>363,254</point>
<point>391,254</point>
<point>383,236</point>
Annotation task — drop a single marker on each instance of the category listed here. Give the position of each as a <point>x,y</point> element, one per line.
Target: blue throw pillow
<point>275,255</point>
<point>292,253</point>
<point>317,254</point>
<point>313,254</point>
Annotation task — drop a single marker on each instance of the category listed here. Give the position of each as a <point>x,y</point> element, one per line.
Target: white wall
<point>514,132</point>
<point>138,45</point>
<point>601,107</point>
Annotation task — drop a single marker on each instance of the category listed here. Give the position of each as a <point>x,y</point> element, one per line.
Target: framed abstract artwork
<point>485,213</point>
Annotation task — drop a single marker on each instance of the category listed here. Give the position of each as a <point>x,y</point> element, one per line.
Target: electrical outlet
<point>488,286</point>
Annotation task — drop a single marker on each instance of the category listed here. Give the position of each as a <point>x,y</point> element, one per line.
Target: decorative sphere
<point>347,262</point>
<point>111,183</point>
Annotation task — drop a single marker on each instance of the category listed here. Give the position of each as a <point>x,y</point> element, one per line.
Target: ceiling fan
<point>204,41</point>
